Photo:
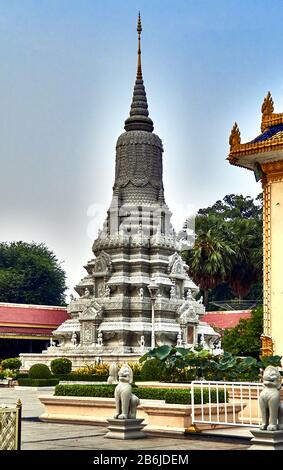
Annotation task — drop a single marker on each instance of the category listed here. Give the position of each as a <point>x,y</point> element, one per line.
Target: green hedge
<point>22,375</point>
<point>2,376</point>
<point>38,382</point>
<point>72,377</point>
<point>106,391</point>
<point>183,396</point>
<point>86,378</point>
<point>170,395</point>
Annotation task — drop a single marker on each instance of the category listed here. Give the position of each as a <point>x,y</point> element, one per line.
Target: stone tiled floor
<point>38,435</point>
<point>53,436</point>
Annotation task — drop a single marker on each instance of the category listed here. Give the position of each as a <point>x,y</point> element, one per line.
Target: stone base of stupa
<point>266,440</point>
<point>78,359</point>
<point>125,429</point>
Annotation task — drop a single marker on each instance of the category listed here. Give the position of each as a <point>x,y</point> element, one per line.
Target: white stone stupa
<point>137,248</point>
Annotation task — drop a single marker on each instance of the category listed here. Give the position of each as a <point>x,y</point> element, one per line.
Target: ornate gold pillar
<point>267,343</point>
<point>272,338</point>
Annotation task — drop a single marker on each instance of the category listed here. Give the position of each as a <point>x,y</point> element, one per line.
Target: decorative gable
<point>102,265</point>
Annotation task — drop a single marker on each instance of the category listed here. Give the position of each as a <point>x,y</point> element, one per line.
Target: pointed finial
<point>235,137</point>
<point>139,119</point>
<point>267,105</point>
<point>139,27</point>
<point>139,30</point>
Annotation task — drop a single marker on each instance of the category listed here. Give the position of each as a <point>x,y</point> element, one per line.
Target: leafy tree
<point>244,338</point>
<point>235,206</point>
<point>30,273</point>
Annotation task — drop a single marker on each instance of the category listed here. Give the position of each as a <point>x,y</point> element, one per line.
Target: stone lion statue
<point>126,401</point>
<point>113,374</point>
<point>269,400</point>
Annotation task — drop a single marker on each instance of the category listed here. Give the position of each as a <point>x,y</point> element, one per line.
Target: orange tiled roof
<point>226,319</point>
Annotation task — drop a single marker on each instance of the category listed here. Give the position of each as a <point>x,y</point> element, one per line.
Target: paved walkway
<point>37,435</point>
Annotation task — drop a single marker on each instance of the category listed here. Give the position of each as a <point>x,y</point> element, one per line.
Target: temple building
<point>264,156</point>
<point>137,293</point>
<point>28,328</point>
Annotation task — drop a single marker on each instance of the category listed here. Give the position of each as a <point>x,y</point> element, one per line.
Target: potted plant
<point>10,375</point>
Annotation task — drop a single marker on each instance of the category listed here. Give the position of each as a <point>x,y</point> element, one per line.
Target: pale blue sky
<point>66,81</point>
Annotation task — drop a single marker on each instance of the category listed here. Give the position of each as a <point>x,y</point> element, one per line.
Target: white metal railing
<point>239,408</point>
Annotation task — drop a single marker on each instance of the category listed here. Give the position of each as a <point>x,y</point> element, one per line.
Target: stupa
<point>137,293</point>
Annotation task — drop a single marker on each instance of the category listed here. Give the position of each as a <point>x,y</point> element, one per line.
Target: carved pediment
<point>102,264</point>
<point>177,266</point>
<point>92,312</point>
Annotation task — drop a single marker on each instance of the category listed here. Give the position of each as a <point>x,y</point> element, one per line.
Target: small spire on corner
<point>235,137</point>
<point>267,110</point>
<point>267,105</point>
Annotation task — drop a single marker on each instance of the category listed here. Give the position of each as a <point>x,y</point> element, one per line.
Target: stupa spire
<point>139,119</point>
<point>139,30</point>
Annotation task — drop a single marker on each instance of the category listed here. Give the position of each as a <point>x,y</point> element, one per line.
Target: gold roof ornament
<point>267,145</point>
<point>269,118</point>
<point>267,105</point>
<point>235,137</point>
<point>267,109</point>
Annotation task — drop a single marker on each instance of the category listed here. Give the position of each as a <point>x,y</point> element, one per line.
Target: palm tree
<point>209,261</point>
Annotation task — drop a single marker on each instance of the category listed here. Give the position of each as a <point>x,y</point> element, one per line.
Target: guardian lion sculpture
<point>126,401</point>
<point>269,400</point>
<point>113,374</point>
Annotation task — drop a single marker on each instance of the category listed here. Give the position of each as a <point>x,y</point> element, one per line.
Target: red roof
<point>11,330</point>
<point>22,319</point>
<point>32,314</point>
<point>226,319</point>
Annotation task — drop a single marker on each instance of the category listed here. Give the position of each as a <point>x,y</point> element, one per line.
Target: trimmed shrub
<point>38,382</point>
<point>22,375</point>
<point>152,370</point>
<point>87,378</point>
<point>178,396</point>
<point>39,371</point>
<point>170,395</point>
<point>106,390</point>
<point>61,366</point>
<point>151,393</point>
<point>2,376</point>
<point>13,363</point>
<point>184,397</point>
